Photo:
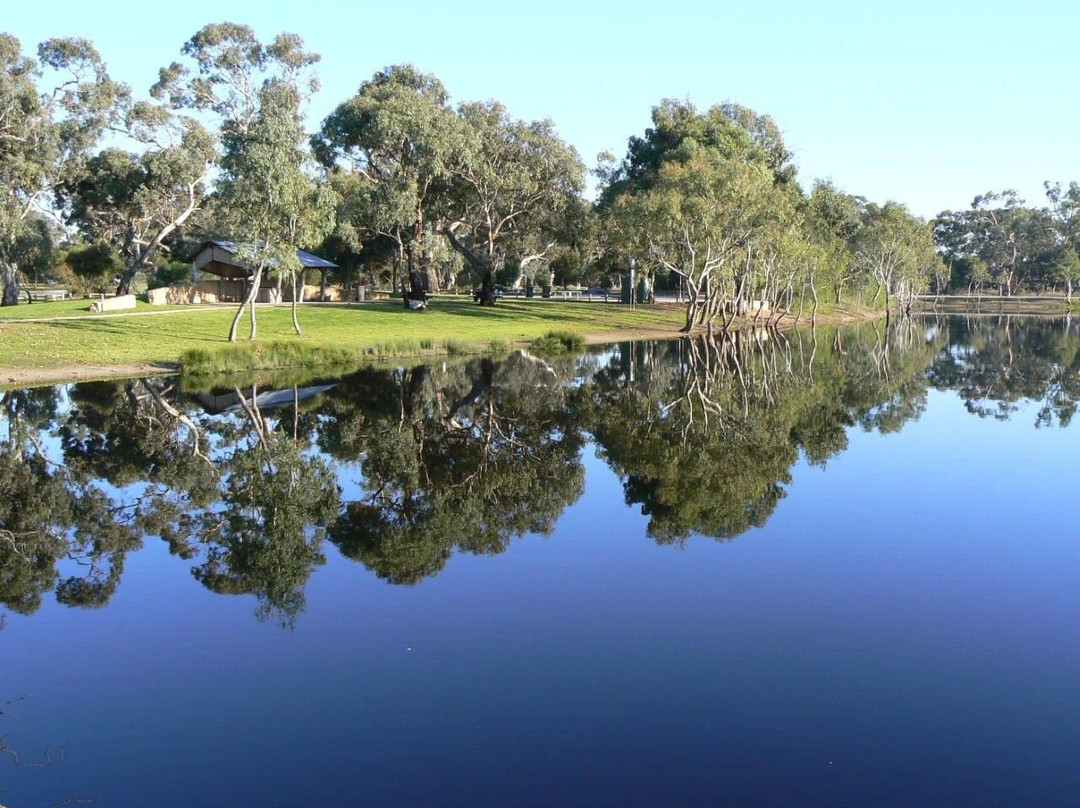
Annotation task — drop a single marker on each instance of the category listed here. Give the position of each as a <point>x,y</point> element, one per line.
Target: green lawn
<point>117,339</point>
<point>78,307</point>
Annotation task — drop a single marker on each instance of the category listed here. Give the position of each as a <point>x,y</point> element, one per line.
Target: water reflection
<point>58,528</point>
<point>994,363</point>
<point>464,457</point>
<point>400,468</point>
<point>704,433</point>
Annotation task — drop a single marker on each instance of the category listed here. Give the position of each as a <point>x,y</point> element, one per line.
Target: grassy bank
<point>79,307</point>
<point>365,330</point>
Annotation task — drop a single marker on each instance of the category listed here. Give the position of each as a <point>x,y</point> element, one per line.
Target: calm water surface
<point>836,569</point>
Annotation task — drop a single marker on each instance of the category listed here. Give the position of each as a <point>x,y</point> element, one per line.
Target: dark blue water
<point>899,630</point>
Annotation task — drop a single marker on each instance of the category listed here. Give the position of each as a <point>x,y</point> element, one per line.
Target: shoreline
<point>61,374</point>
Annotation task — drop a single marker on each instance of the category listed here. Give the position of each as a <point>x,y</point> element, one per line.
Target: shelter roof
<point>307,259</point>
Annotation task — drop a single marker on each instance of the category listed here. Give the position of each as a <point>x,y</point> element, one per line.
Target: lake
<point>833,568</point>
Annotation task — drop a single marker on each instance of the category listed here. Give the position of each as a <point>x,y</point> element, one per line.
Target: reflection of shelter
<point>215,403</point>
<point>220,258</point>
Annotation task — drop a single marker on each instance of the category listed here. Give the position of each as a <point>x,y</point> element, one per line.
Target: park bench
<point>47,294</point>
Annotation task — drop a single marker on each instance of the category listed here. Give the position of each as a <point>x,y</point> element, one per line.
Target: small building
<point>219,258</point>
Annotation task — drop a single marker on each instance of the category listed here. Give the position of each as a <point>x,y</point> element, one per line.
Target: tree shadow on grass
<point>123,331</point>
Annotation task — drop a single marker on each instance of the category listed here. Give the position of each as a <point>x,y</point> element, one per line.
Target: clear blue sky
<point>927,103</point>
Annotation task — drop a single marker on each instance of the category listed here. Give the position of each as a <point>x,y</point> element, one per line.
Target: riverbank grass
<point>368,330</point>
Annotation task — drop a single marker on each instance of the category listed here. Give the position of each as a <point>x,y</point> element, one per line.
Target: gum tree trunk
<point>480,265</point>
<point>10,279</point>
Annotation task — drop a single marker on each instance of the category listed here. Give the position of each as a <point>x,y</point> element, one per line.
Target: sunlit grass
<point>80,307</point>
<point>371,329</point>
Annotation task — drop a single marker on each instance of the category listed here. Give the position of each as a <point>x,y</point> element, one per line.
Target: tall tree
<point>832,220</point>
<point>700,195</point>
<point>399,138</point>
<point>897,251</point>
<point>44,132</point>
<point>732,131</point>
<point>256,92</point>
<point>999,223</point>
<point>136,202</point>
<point>1064,229</point>
<point>514,181</point>
<point>699,220</point>
<point>271,198</point>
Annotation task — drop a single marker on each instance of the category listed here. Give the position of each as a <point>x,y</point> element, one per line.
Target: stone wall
<point>113,303</point>
<point>177,294</point>
<point>220,290</point>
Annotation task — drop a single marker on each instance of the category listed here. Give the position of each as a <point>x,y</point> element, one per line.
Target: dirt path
<point>29,377</point>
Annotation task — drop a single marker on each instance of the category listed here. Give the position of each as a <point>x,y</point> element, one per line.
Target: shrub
<point>556,342</point>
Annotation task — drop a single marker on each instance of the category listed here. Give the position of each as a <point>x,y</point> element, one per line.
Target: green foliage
<point>729,131</point>
<point>167,273</point>
<point>94,264</point>
<point>511,190</point>
<point>265,192</point>
<point>399,140</point>
<point>557,342</point>
<point>710,198</point>
<point>53,110</point>
<point>896,250</point>
<point>138,201</point>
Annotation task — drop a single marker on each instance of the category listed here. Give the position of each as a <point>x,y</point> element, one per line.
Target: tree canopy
<point>704,201</point>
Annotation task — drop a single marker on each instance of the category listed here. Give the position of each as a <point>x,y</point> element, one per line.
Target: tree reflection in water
<point>704,433</point>
<point>467,456</point>
<point>463,457</point>
<point>995,362</point>
<point>58,529</point>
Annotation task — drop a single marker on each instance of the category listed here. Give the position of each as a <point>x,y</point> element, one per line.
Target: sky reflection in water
<point>899,630</point>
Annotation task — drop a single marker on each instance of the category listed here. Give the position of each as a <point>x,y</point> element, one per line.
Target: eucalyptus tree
<point>954,240</point>
<point>33,248</point>
<point>510,189</point>
<point>255,94</point>
<point>731,130</point>
<point>1000,225</point>
<point>1064,229</point>
<point>697,196</point>
<point>267,192</point>
<point>698,219</point>
<point>396,141</point>
<point>832,220</point>
<point>53,110</point>
<point>137,201</point>
<point>897,251</point>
